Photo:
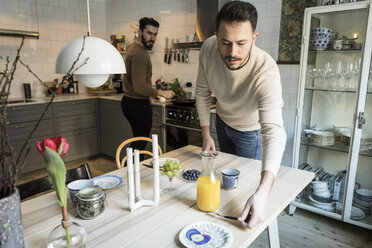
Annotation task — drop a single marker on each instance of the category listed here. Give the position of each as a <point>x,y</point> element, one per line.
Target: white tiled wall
<point>268,26</point>
<point>176,17</point>
<point>62,20</point>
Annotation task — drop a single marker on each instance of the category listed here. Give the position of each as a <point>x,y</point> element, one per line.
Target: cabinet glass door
<point>333,58</point>
<point>362,191</point>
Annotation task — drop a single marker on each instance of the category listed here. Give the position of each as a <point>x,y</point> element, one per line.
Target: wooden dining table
<point>160,226</point>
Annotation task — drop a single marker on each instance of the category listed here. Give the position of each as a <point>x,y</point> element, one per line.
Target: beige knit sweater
<point>247,99</point>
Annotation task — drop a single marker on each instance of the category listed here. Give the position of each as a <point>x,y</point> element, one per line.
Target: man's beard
<point>145,43</point>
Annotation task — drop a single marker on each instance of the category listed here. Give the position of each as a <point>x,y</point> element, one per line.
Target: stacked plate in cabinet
<point>363,200</point>
<point>356,213</point>
<point>322,138</point>
<point>321,196</point>
<point>327,206</point>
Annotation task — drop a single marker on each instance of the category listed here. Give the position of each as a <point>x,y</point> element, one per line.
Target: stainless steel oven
<point>182,127</point>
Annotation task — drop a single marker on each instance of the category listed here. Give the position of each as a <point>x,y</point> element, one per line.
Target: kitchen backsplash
<point>60,21</point>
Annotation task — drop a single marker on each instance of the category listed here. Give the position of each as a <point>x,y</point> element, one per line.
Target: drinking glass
<point>309,78</point>
<point>171,189</point>
<point>355,74</point>
<point>370,80</point>
<point>338,74</point>
<point>328,74</point>
<point>319,76</point>
<point>349,73</point>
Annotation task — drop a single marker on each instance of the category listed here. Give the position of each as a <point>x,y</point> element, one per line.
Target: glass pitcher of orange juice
<point>208,184</point>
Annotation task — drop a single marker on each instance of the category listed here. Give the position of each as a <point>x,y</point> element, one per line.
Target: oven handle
<point>182,127</point>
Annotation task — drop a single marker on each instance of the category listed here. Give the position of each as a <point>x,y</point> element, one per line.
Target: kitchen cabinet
<point>114,127</point>
<point>21,119</point>
<point>158,120</point>
<point>77,122</point>
<point>333,133</point>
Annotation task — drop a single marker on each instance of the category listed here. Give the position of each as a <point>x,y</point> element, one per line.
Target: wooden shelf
<point>125,52</point>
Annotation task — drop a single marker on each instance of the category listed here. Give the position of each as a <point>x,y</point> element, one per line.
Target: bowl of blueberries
<point>190,175</point>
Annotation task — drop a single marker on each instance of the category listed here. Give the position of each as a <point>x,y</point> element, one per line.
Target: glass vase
<point>57,238</point>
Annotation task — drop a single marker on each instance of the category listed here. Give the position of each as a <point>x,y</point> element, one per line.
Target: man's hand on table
<point>255,207</point>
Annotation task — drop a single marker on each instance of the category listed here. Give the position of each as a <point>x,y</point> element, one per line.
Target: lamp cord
<point>89,33</point>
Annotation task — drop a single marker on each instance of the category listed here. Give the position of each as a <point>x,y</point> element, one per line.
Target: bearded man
<point>136,104</point>
<point>246,82</point>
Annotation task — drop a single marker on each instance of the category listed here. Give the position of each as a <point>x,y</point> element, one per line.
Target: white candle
<point>355,35</point>
<point>137,175</point>
<point>130,178</point>
<point>155,165</point>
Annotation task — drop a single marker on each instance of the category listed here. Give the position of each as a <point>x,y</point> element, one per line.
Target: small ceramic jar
<point>337,44</point>
<point>91,202</point>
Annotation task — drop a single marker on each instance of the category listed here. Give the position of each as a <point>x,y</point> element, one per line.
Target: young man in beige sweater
<point>246,82</point>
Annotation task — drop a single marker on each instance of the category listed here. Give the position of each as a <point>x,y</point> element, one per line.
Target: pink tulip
<point>57,144</point>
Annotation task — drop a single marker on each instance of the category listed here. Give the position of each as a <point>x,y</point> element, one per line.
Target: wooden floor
<point>304,229</point>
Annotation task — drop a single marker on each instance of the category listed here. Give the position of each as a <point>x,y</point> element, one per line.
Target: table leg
<point>273,234</point>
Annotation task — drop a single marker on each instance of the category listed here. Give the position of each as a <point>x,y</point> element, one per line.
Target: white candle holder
<point>134,181</point>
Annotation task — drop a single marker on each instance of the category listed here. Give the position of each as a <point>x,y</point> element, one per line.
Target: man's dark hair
<point>237,11</point>
<point>147,21</point>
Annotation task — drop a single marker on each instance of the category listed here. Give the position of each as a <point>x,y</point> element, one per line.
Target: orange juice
<point>208,194</point>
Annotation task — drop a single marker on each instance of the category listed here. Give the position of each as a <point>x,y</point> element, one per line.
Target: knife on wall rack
<point>166,50</point>
<point>170,53</point>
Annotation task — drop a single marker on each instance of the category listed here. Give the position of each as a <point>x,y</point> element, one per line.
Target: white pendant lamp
<point>103,59</point>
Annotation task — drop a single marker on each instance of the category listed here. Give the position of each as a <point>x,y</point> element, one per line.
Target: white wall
<point>176,17</point>
<point>62,20</point>
<point>268,26</point>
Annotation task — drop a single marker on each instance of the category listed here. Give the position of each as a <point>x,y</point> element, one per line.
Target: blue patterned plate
<point>206,234</point>
<point>107,181</point>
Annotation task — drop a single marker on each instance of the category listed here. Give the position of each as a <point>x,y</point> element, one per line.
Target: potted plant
<point>12,164</point>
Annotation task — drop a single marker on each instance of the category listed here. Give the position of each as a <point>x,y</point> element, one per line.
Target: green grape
<point>171,168</point>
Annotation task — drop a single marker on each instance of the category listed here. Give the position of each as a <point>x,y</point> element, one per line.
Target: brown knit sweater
<point>137,80</point>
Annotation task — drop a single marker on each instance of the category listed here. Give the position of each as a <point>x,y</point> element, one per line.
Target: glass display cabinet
<point>333,134</point>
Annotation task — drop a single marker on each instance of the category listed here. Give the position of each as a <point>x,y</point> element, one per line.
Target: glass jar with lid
<point>91,202</point>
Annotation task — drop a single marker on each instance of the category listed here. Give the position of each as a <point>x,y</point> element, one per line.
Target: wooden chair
<point>42,184</point>
<point>128,141</point>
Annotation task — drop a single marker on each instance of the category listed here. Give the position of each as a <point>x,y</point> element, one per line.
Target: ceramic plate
<point>206,234</point>
<point>364,193</point>
<point>163,160</point>
<point>357,213</point>
<point>107,181</point>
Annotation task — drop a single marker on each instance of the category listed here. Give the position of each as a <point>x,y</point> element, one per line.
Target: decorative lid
<point>90,193</point>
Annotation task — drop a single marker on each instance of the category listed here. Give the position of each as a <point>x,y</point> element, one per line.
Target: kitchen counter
<point>83,96</point>
<point>77,97</point>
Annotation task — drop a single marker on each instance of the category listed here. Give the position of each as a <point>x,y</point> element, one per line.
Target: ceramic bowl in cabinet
<point>320,44</point>
<point>321,33</point>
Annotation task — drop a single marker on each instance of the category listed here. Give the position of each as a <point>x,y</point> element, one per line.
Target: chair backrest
<point>120,164</point>
<point>42,184</point>
<point>81,172</point>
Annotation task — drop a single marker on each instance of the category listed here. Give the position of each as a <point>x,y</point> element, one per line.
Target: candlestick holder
<point>134,180</point>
